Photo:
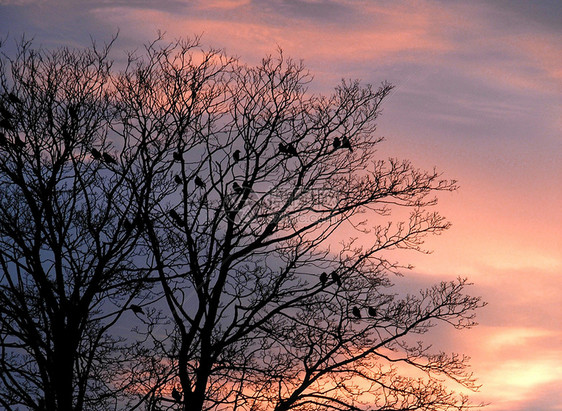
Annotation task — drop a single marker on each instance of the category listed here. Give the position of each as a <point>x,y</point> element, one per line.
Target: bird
<point>282,148</point>
<point>236,187</point>
<point>336,278</point>
<point>96,154</point>
<point>136,309</point>
<point>372,311</point>
<point>13,98</point>
<point>346,143</point>
<point>323,279</point>
<point>291,150</point>
<point>236,156</point>
<point>199,182</point>
<point>337,143</point>
<point>6,125</point>
<point>178,179</point>
<point>356,313</point>
<point>176,395</point>
<point>177,156</point>
<point>108,158</point>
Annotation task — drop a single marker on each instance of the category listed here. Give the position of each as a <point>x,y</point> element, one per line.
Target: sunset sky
<point>478,95</point>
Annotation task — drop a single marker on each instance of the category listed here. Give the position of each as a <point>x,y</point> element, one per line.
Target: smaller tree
<point>71,250</point>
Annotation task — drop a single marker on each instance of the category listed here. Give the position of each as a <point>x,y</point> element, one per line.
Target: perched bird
<point>236,156</point>
<point>177,156</point>
<point>6,125</point>
<point>176,395</point>
<point>236,187</point>
<point>337,143</point>
<point>336,278</point>
<point>372,311</point>
<point>178,180</point>
<point>356,313</point>
<point>199,182</point>
<point>282,148</point>
<point>136,309</point>
<point>323,279</point>
<point>13,98</point>
<point>96,154</point>
<point>108,158</point>
<point>291,150</point>
<point>346,143</point>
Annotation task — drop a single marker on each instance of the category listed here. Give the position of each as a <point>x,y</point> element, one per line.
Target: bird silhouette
<point>176,395</point>
<point>14,99</point>
<point>291,149</point>
<point>178,179</point>
<point>199,182</point>
<point>336,278</point>
<point>323,279</point>
<point>136,309</point>
<point>236,156</point>
<point>356,313</point>
<point>372,311</point>
<point>108,158</point>
<point>346,143</point>
<point>177,156</point>
<point>236,187</point>
<point>96,154</point>
<point>337,143</point>
<point>282,148</point>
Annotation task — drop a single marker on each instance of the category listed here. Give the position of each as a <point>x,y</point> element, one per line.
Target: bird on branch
<point>137,309</point>
<point>346,143</point>
<point>356,313</point>
<point>336,278</point>
<point>177,156</point>
<point>176,395</point>
<point>323,279</point>
<point>236,156</point>
<point>178,180</point>
<point>337,143</point>
<point>372,312</point>
<point>199,182</point>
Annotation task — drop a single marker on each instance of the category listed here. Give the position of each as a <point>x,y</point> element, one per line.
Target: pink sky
<point>478,95</point>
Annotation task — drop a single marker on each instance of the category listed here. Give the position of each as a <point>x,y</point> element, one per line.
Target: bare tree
<point>71,251</point>
<point>202,198</point>
<point>259,176</point>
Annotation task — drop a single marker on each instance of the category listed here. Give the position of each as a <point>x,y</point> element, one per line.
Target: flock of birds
<point>337,280</point>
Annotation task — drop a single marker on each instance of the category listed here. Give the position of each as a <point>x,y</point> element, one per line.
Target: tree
<point>71,250</point>
<point>210,192</point>
<point>270,174</point>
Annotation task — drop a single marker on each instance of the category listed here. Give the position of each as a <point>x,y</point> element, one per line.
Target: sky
<point>478,95</point>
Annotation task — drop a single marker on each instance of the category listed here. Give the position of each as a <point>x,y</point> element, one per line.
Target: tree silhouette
<point>233,304</point>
